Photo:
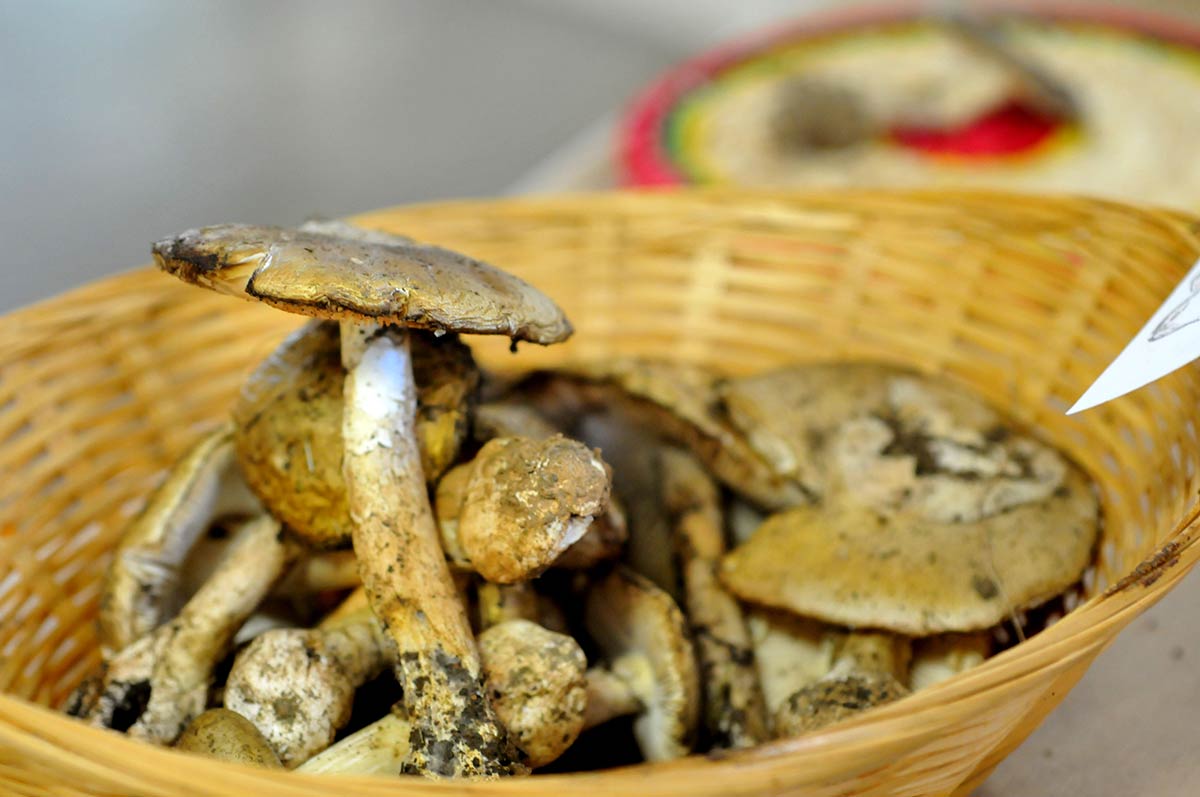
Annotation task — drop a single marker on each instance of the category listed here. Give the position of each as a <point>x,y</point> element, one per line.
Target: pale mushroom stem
<point>146,567</point>
<point>866,652</point>
<point>403,568</point>
<point>608,697</point>
<point>734,712</point>
<point>157,685</point>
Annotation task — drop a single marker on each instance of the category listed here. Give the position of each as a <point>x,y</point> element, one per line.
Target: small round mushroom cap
<point>289,425</point>
<point>852,565</point>
<point>644,638</point>
<point>297,686</point>
<point>388,280</point>
<point>831,700</point>
<point>538,686</point>
<point>527,501</point>
<point>894,438</point>
<point>226,735</point>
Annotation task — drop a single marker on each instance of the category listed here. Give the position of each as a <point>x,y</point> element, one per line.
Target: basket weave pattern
<point>1025,300</point>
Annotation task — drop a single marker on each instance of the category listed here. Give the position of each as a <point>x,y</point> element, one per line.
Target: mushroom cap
<point>831,700</point>
<point>644,637</point>
<point>896,438</point>
<point>604,540</point>
<point>852,565</point>
<point>228,736</point>
<point>364,277</point>
<point>510,419</point>
<point>537,683</point>
<point>293,689</point>
<point>289,425</point>
<point>527,501</point>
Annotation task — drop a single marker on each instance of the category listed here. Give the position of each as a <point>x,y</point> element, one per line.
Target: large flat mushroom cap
<point>849,564</point>
<point>368,277</point>
<point>892,436</point>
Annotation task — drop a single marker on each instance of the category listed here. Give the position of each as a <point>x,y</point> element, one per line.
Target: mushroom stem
<point>937,658</point>
<point>403,568</point>
<point>146,571</point>
<point>319,572</point>
<point>157,685</point>
<point>500,603</point>
<point>790,652</point>
<point>382,747</point>
<point>734,715</point>
<point>297,685</point>
<point>608,697</point>
<point>869,669</point>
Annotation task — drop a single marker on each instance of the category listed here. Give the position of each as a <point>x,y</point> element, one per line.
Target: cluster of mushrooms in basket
<point>387,561</point>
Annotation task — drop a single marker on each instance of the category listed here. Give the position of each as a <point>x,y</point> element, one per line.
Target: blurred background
<point>126,120</point>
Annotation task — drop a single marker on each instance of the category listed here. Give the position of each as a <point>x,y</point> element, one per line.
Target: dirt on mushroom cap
<point>289,428</point>
<point>538,687</point>
<point>366,278</point>
<point>523,501</point>
<point>893,437</point>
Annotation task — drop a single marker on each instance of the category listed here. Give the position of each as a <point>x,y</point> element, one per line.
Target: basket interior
<point>1026,301</point>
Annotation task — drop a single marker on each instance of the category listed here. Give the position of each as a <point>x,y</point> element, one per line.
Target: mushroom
<point>144,579</point>
<point>937,658</point>
<point>893,438</point>
<point>677,401</point>
<point>643,636</point>
<point>637,482</point>
<point>289,424</point>
<point>790,653</point>
<point>733,702</point>
<point>514,509</point>
<point>153,688</point>
<point>500,603</point>
<point>608,532</point>
<point>297,685</point>
<point>510,419</point>
<point>538,685</point>
<point>522,505</point>
<point>228,736</point>
<point>377,287</point>
<point>903,573</point>
<point>868,670</point>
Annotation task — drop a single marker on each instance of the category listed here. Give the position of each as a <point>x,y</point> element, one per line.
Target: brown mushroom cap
<point>289,425</point>
<point>828,701</point>
<point>676,401</point>
<point>527,501</point>
<point>896,438</point>
<point>228,736</point>
<point>644,637</point>
<point>536,679</point>
<point>852,565</point>
<point>366,277</point>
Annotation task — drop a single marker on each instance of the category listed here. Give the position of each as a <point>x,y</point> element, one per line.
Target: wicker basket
<point>1024,299</point>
